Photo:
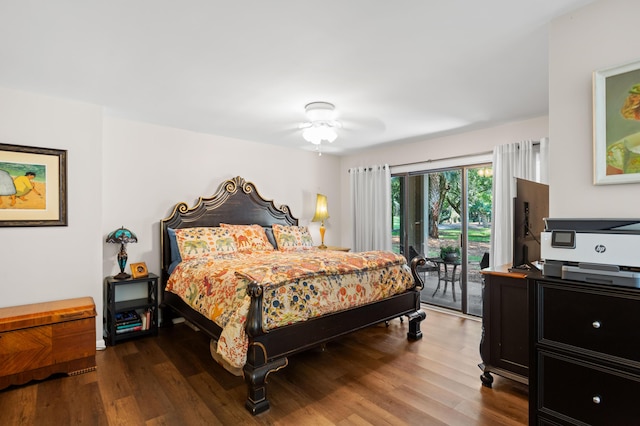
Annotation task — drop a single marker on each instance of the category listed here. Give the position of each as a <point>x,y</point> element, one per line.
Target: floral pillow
<point>249,237</point>
<point>292,237</point>
<point>198,242</point>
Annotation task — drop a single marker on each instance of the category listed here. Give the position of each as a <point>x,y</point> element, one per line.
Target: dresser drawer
<point>586,392</point>
<point>590,319</point>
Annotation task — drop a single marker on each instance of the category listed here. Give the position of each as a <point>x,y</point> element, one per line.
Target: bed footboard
<point>268,351</point>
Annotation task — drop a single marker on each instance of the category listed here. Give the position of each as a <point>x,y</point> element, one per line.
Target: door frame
<point>464,228</point>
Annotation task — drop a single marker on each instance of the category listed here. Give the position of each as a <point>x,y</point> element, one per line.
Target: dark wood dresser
<point>41,339</point>
<point>504,347</point>
<point>585,353</point>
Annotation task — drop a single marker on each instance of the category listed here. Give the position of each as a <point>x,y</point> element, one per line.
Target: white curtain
<point>371,207</point>
<point>526,160</point>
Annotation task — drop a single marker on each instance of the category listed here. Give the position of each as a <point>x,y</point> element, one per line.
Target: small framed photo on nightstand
<point>139,270</point>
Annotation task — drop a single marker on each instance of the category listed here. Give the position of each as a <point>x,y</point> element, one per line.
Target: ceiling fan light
<point>310,134</point>
<point>321,126</point>
<point>319,111</point>
<point>318,133</point>
<point>330,134</point>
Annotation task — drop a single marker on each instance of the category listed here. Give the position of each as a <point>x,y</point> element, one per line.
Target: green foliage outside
<point>445,202</point>
<point>474,234</point>
<point>480,235</point>
<point>479,188</point>
<point>395,228</point>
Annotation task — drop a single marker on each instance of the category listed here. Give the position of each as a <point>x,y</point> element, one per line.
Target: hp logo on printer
<point>600,248</point>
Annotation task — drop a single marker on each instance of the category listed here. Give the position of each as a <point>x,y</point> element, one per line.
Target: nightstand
<point>126,319</point>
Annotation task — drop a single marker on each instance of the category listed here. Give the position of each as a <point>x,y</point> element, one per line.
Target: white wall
<point>128,173</point>
<point>597,36</point>
<point>163,166</point>
<point>434,149</point>
<point>600,35</point>
<point>41,264</point>
<point>148,169</point>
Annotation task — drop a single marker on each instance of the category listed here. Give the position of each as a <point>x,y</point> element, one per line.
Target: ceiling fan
<point>322,124</point>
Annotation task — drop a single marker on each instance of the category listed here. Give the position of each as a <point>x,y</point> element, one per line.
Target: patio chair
<point>484,263</point>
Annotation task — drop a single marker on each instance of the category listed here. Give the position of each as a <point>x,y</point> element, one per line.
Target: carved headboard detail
<point>236,202</point>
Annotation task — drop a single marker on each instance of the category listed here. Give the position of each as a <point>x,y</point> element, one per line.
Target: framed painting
<point>33,186</point>
<point>616,124</point>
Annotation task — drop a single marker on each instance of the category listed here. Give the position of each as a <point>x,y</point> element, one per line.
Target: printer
<point>604,251</point>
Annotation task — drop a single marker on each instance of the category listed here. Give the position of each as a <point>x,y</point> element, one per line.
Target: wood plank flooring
<point>371,377</point>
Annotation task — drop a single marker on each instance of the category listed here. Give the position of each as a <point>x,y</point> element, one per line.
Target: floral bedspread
<point>297,286</point>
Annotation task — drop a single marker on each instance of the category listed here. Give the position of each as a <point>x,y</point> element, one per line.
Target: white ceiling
<point>396,70</point>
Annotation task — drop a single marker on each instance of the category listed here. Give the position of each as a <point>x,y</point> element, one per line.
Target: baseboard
<point>450,312</point>
<point>101,345</point>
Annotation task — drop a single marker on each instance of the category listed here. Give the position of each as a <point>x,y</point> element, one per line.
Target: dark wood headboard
<point>236,202</point>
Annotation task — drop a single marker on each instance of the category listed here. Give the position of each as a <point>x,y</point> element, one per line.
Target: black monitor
<point>530,208</point>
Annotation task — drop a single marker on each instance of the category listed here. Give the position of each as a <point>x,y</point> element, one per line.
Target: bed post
<point>254,316</point>
<point>417,262</point>
<point>258,366</point>
<point>415,318</point>
<point>255,372</point>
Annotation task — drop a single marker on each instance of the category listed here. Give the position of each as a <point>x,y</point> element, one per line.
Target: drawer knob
<point>596,324</point>
<point>596,399</point>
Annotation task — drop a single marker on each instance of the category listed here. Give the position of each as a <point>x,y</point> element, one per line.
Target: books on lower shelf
<point>129,321</point>
<point>129,329</point>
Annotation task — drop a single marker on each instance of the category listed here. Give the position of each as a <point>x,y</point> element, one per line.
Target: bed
<point>237,202</point>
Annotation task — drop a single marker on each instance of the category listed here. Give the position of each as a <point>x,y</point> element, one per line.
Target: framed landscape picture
<point>616,142</point>
<point>33,186</point>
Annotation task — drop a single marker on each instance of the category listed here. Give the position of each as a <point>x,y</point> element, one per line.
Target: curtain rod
<point>431,160</point>
<point>454,157</point>
<point>368,169</point>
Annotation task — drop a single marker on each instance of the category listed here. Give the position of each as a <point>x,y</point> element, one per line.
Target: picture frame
<point>139,270</point>
<point>616,124</point>
<point>33,186</point>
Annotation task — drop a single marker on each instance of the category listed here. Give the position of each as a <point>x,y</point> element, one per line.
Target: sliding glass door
<point>445,215</point>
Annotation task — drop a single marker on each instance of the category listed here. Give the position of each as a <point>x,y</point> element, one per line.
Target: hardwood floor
<point>372,377</point>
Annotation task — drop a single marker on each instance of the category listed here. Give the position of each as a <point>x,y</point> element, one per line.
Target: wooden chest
<point>41,339</point>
